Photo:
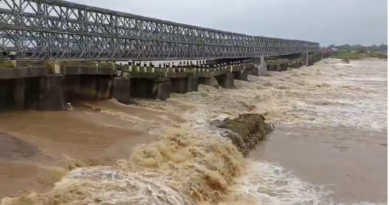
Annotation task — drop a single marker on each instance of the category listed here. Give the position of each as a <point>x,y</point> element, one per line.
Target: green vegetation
<point>351,55</point>
<point>246,131</point>
<point>347,55</point>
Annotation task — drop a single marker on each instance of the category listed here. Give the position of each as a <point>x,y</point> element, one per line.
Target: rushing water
<point>190,163</point>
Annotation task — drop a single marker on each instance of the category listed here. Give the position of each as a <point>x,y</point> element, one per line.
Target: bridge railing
<point>60,29</point>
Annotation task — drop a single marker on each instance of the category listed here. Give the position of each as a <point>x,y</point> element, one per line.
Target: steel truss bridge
<point>43,29</point>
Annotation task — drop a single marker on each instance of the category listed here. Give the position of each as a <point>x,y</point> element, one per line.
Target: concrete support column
<point>162,88</point>
<point>104,85</point>
<point>263,66</point>
<point>260,66</point>
<point>121,90</point>
<point>19,95</point>
<point>210,81</point>
<point>51,95</point>
<point>306,58</point>
<point>226,80</point>
<point>192,84</point>
<point>184,85</point>
<point>241,75</point>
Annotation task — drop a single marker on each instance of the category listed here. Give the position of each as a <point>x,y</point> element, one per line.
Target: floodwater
<point>329,146</point>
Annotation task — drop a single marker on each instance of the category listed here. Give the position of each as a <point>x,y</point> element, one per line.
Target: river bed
<point>329,146</point>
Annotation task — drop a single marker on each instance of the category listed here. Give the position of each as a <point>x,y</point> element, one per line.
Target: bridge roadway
<point>53,52</point>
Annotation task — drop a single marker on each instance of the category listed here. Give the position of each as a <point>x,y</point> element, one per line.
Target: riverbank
<point>317,110</point>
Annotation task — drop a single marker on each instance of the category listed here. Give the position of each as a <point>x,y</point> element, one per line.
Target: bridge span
<point>52,51</point>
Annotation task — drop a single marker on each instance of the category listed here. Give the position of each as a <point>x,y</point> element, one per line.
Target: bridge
<point>60,29</point>
<point>49,31</point>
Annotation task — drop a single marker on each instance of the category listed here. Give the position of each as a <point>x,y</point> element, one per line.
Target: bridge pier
<point>88,87</point>
<point>241,75</point>
<point>51,95</point>
<point>151,88</point>
<point>121,90</point>
<point>210,81</point>
<point>306,59</point>
<point>6,93</point>
<point>20,87</point>
<point>163,88</point>
<point>226,80</point>
<point>104,87</point>
<point>260,66</point>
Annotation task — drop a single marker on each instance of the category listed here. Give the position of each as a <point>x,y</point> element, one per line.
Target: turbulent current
<point>190,163</point>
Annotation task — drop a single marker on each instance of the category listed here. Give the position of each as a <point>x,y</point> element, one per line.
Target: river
<point>329,145</point>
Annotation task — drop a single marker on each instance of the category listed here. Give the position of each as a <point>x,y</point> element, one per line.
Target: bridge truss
<point>40,29</point>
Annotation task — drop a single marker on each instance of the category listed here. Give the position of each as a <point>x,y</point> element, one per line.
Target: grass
<point>348,55</point>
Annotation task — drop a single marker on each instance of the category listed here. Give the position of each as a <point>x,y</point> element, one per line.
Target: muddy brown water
<point>329,145</point>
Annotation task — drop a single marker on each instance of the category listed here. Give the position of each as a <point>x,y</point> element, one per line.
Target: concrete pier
<point>19,94</point>
<point>51,96</point>
<point>226,80</point>
<point>210,81</point>
<point>104,87</point>
<point>192,84</point>
<point>241,75</point>
<point>306,59</point>
<point>162,87</point>
<point>50,85</point>
<point>121,90</point>
<point>260,68</point>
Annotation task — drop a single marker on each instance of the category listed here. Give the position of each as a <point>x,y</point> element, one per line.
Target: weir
<point>50,85</point>
<point>65,64</point>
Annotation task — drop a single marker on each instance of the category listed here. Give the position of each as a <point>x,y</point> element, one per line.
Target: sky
<point>325,21</point>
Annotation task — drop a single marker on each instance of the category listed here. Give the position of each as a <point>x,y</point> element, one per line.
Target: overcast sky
<point>325,21</point>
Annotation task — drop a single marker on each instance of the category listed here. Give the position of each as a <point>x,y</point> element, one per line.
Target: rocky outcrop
<point>245,131</point>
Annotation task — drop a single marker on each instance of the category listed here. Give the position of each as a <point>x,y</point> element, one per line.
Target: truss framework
<point>60,29</point>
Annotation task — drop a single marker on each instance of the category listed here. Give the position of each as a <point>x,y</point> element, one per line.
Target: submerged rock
<point>245,131</point>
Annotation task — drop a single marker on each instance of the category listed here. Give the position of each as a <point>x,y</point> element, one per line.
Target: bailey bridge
<point>53,51</point>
